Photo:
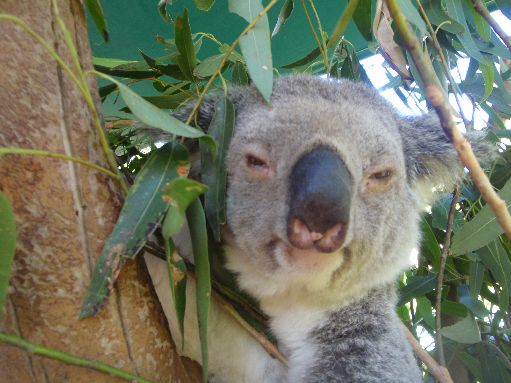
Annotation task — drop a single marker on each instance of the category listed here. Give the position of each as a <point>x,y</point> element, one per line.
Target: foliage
<point>474,302</point>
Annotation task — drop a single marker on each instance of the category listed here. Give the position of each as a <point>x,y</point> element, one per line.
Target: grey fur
<point>333,314</point>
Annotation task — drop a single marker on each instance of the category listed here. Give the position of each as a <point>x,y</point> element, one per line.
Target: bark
<point>64,212</point>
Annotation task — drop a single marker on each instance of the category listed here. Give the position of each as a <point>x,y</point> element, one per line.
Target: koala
<point>325,190</point>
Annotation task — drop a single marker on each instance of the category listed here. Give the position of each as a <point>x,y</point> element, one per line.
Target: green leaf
<point>180,193</point>
<point>473,364</point>
<point>171,101</point>
<point>438,17</point>
<point>500,98</point>
<point>362,19</point>
<point>239,74</point>
<point>440,213</point>
<point>494,365</point>
<point>285,12</point>
<point>7,247</point>
<point>176,268</point>
<point>141,214</point>
<point>162,10</point>
<point>213,171</point>
<point>309,57</point>
<point>453,309</point>
<point>204,5</point>
<point>412,15</point>
<point>473,304</point>
<point>123,68</point>
<point>425,311</point>
<point>208,66</point>
<point>482,229</point>
<point>476,276</point>
<point>96,11</point>
<point>157,118</point>
<point>488,74</point>
<point>256,45</point>
<point>430,247</point>
<point>199,237</point>
<point>184,43</point>
<point>455,11</point>
<point>496,259</point>
<point>482,27</point>
<point>465,331</point>
<point>415,287</point>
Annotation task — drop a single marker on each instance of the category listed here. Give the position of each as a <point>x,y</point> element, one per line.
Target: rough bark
<point>64,212</point>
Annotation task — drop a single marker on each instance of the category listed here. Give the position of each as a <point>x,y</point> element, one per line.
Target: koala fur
<point>333,314</point>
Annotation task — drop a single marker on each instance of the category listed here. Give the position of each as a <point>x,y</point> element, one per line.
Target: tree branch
<point>436,98</point>
<point>37,349</point>
<point>483,11</point>
<point>440,277</point>
<point>439,372</point>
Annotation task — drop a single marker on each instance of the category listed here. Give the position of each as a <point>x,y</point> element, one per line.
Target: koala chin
<point>325,190</point>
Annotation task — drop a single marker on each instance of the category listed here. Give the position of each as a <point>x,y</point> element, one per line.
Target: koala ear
<point>431,160</point>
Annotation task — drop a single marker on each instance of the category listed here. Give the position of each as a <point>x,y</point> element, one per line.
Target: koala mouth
<point>286,255</point>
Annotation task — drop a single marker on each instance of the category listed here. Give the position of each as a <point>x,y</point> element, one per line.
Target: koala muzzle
<point>319,201</point>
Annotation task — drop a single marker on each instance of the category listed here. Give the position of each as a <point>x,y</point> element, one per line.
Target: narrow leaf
<point>180,193</point>
<point>494,365</point>
<point>438,17</point>
<point>96,11</point>
<point>141,214</point>
<point>239,74</point>
<point>488,73</point>
<point>213,171</point>
<point>285,12</point>
<point>425,310</point>
<point>362,19</point>
<point>307,59</point>
<point>256,45</point>
<point>162,10</point>
<point>413,15</point>
<point>157,118</point>
<point>476,276</point>
<point>465,331</point>
<point>184,43</point>
<point>208,66</point>
<point>415,287</point>
<point>440,213</point>
<point>176,268</point>
<point>482,229</point>
<point>473,304</point>
<point>7,247</point>
<point>199,237</point>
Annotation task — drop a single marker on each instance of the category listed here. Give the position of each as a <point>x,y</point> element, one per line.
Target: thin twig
<point>483,11</point>
<point>37,349</point>
<point>440,277</point>
<point>34,152</point>
<point>321,44</point>
<point>436,99</point>
<point>443,60</point>
<point>342,23</point>
<point>439,372</point>
<point>226,57</point>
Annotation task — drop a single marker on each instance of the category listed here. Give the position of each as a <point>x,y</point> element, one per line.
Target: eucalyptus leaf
<point>204,5</point>
<point>176,268</point>
<point>362,19</point>
<point>184,43</point>
<point>239,74</point>
<point>199,237</point>
<point>307,59</point>
<point>471,303</point>
<point>412,15</point>
<point>208,66</point>
<point>98,16</point>
<point>256,45</point>
<point>480,230</point>
<point>415,287</point>
<point>285,12</point>
<point>213,170</point>
<point>425,310</point>
<point>440,213</point>
<point>7,247</point>
<point>157,118</point>
<point>438,17</point>
<point>476,276</point>
<point>494,365</point>
<point>465,331</point>
<point>141,214</point>
<point>488,74</point>
<point>180,193</point>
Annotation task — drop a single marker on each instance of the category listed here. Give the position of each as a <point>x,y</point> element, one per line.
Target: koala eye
<point>382,175</point>
<point>257,166</point>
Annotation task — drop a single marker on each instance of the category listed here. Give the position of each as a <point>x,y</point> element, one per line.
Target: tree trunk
<point>64,212</point>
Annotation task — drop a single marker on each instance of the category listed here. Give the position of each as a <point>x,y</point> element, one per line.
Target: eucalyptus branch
<point>483,11</point>
<point>226,57</point>
<point>439,372</point>
<point>321,44</point>
<point>34,152</point>
<point>440,277</point>
<point>342,23</point>
<point>443,60</point>
<point>37,349</point>
<point>436,98</point>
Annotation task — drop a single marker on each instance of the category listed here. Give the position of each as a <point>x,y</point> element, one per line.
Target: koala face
<point>318,194</point>
<point>325,188</point>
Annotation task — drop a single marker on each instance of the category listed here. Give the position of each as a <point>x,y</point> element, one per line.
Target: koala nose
<point>319,201</point>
